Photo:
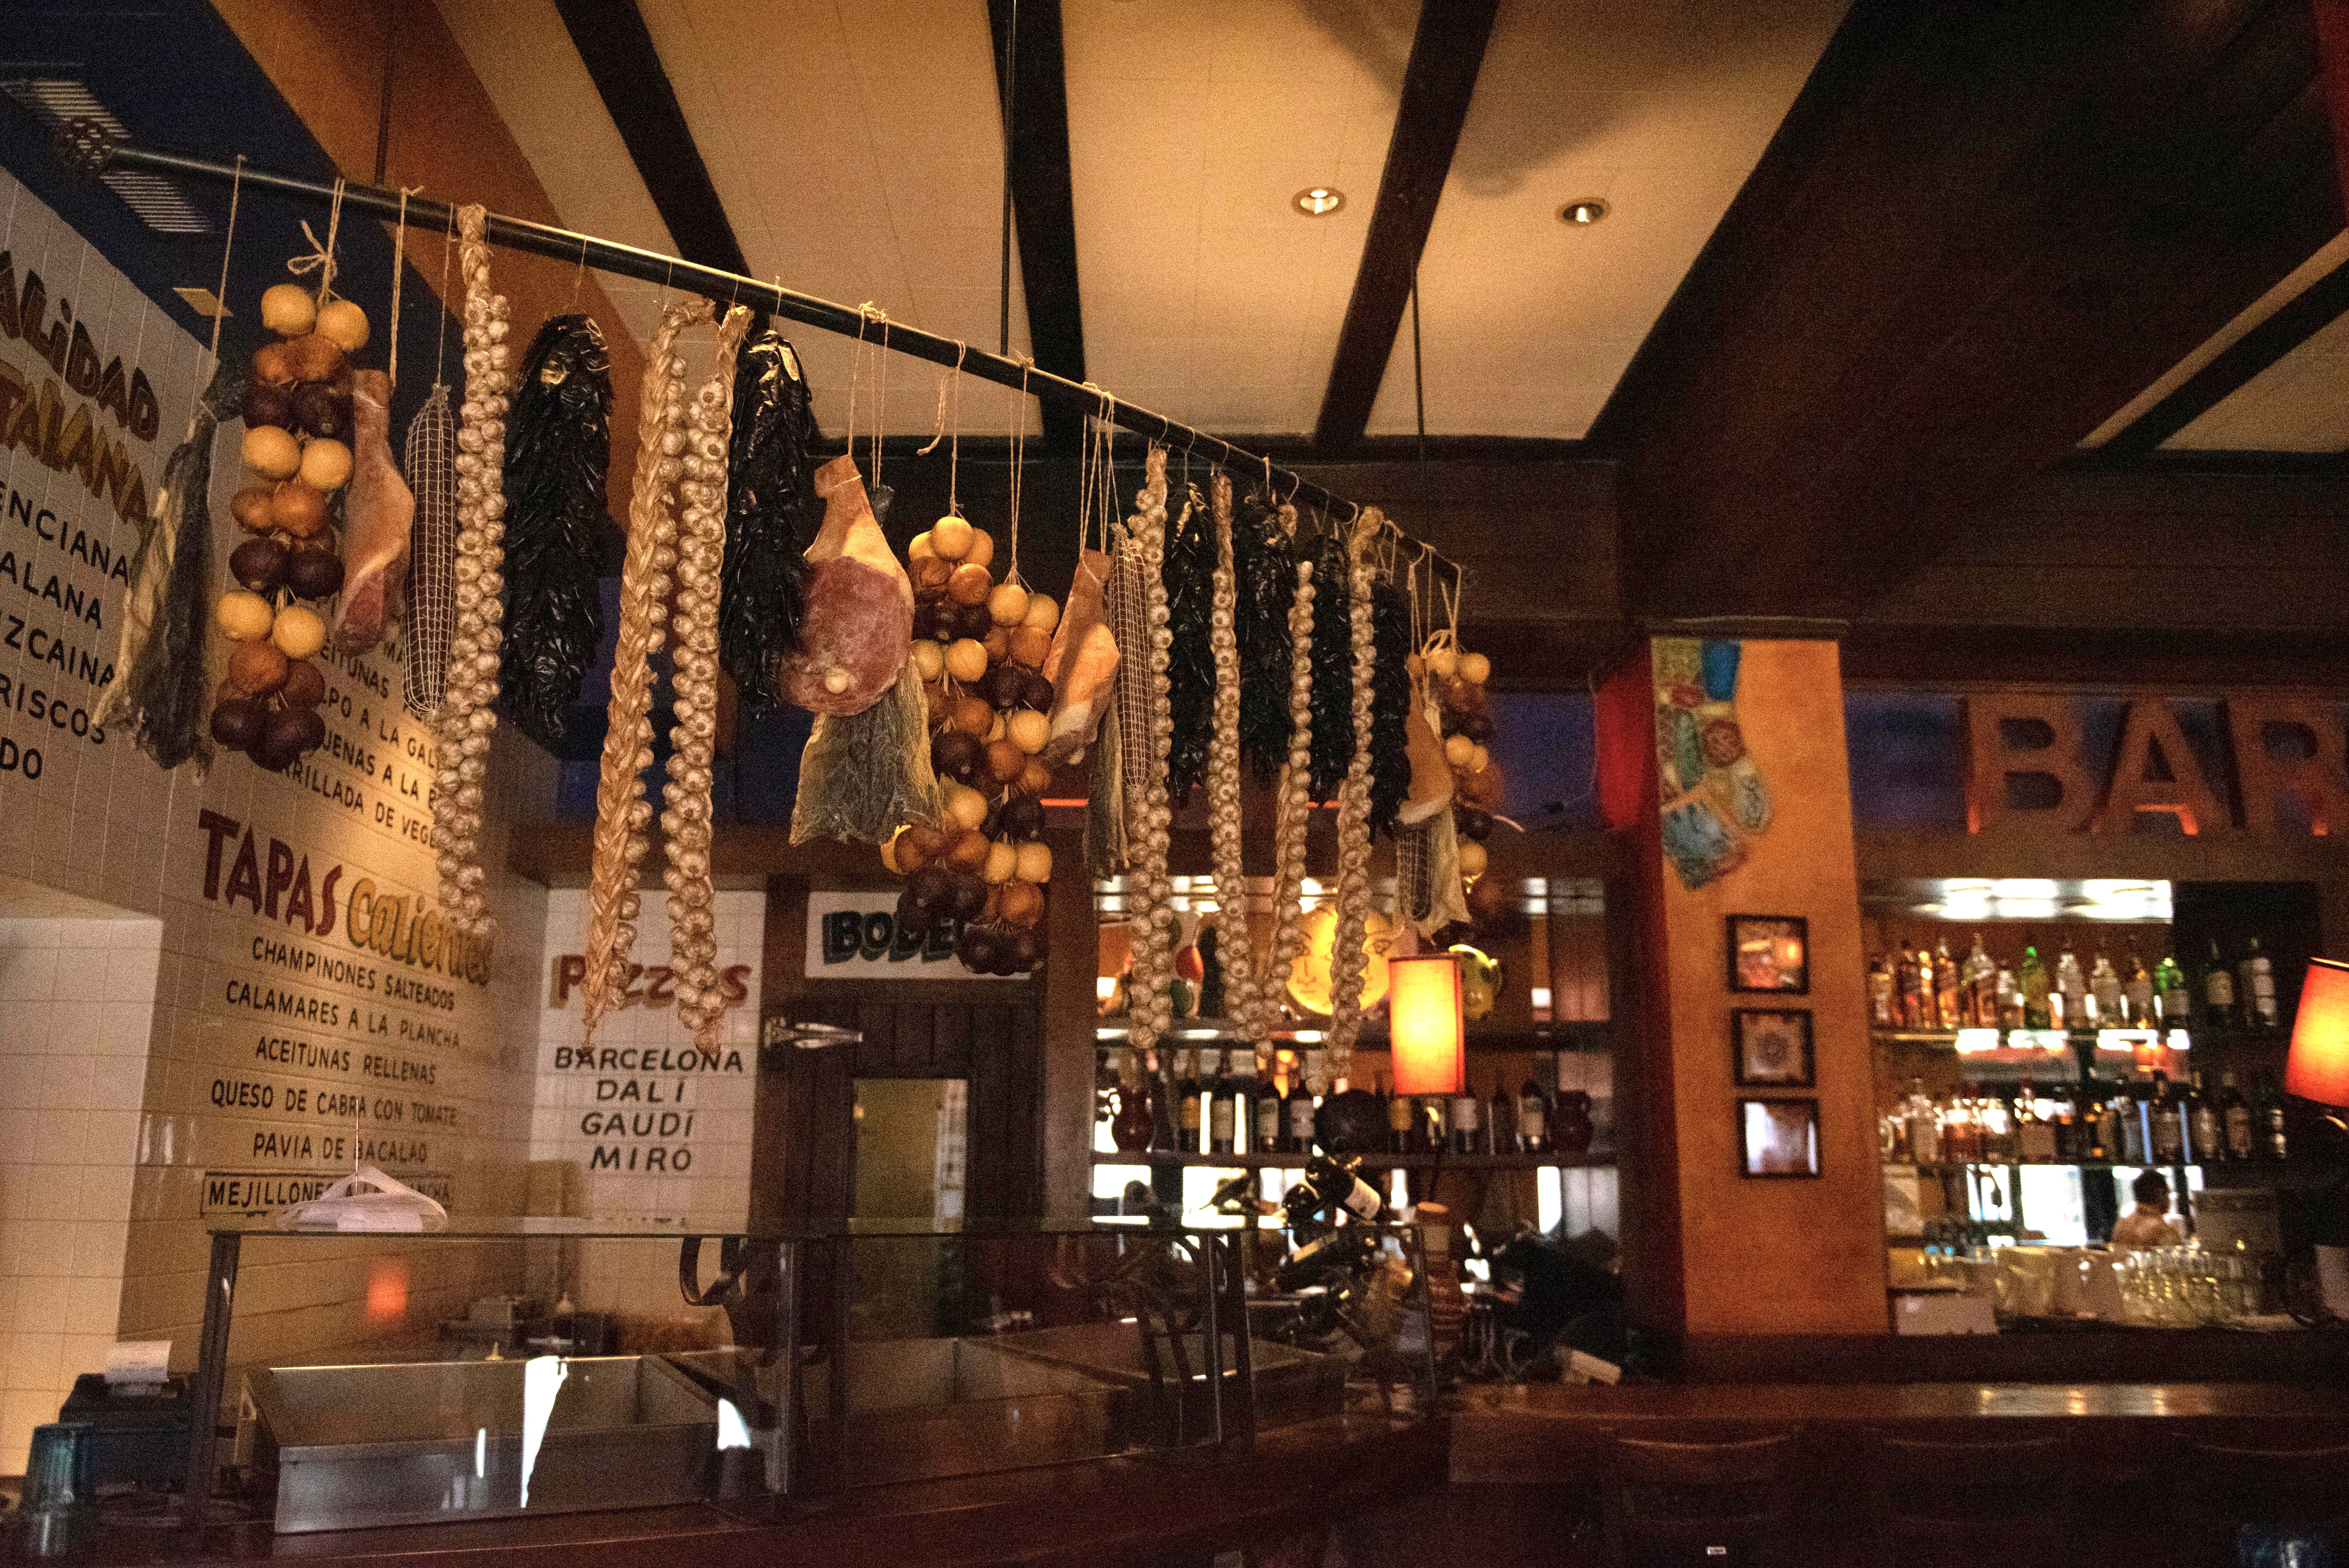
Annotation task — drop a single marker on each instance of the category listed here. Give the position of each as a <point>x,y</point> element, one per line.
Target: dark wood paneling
<point>2314,309</point>
<point>1981,230</point>
<point>1447,51</point>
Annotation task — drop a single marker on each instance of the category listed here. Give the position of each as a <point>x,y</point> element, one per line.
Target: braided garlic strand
<point>469,714</point>
<point>1224,790</point>
<point>693,732</point>
<point>1294,794</point>
<point>1347,959</point>
<point>622,814</point>
<point>1149,818</point>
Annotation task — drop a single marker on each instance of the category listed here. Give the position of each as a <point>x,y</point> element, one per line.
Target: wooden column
<point>1709,1250</point>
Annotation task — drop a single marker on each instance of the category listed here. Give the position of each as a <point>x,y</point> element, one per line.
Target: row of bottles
<point>2145,1121</point>
<point>1928,989</point>
<point>1226,1107</point>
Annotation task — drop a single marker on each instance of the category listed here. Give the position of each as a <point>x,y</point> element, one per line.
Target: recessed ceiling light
<point>1582,213</point>
<point>1318,201</point>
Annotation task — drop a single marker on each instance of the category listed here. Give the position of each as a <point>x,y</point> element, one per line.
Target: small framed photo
<point>1771,1048</point>
<point>1779,1137</point>
<point>1770,954</point>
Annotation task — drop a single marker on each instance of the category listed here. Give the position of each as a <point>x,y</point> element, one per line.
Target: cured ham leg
<point>381,512</point>
<point>859,622</point>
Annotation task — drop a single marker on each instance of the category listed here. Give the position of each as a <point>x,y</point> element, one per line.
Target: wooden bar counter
<point>1100,1514</point>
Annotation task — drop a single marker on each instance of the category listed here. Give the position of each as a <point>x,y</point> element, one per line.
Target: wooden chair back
<point>1731,1503</point>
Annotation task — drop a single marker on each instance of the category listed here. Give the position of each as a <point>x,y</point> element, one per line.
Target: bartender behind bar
<point>2147,1225</point>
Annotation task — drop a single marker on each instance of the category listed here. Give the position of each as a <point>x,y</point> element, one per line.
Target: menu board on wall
<point>313,1012</point>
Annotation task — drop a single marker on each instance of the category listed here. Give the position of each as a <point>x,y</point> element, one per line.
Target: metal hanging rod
<point>90,153</point>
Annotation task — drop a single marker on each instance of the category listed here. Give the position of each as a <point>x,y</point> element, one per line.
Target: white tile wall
<point>77,994</point>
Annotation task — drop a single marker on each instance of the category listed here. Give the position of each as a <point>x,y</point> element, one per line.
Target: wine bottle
<point>1533,1117</point>
<point>2259,992</point>
<point>2168,1123</point>
<point>2072,991</point>
<point>2109,1005</point>
<point>1186,1099</point>
<point>1222,1113</point>
<point>2217,991</point>
<point>1982,987</point>
<point>1500,1121</point>
<point>1298,1110</point>
<point>1466,1114</point>
<point>2206,1135</point>
<point>1261,1103</point>
<point>2276,1143</point>
<point>1402,1121</point>
<point>2235,1118</point>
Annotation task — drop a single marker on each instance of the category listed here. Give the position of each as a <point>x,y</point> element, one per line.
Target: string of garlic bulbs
<point>1224,790</point>
<point>1347,959</point>
<point>693,730</point>
<point>469,714</point>
<point>1294,795</point>
<point>1149,817</point>
<point>622,812</point>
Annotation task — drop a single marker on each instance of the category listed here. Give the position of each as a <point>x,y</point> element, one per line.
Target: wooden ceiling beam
<point>1044,200</point>
<point>617,48</point>
<point>1447,51</point>
<point>2309,312</point>
<point>1982,229</point>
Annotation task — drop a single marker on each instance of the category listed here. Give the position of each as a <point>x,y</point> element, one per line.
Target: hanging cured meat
<point>432,553</point>
<point>559,446</point>
<point>162,680</point>
<point>770,507</point>
<point>860,604</point>
<point>379,515</point>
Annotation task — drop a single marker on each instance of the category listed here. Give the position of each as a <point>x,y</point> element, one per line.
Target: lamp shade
<point>2319,1065</point>
<point>1428,1035</point>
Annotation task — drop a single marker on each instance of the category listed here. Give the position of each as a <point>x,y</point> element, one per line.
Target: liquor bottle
<point>1533,1117</point>
<point>2107,1007</point>
<point>1467,1116</point>
<point>2071,1129</point>
<point>2105,1137</point>
<point>2139,1014</point>
<point>1186,1099</point>
<point>1500,1120</point>
<point>1947,990</point>
<point>2168,1123</point>
<point>1904,976</point>
<point>2257,991</point>
<point>1924,1125</point>
<point>2206,1134</point>
<point>1298,1108</point>
<point>2010,1000</point>
<point>2000,1144</point>
<point>1929,1004</point>
<point>1402,1121</point>
<point>1222,1120</point>
<point>1133,1126</point>
<point>2038,1012</point>
<point>2129,1106</point>
<point>2235,1120</point>
<point>1260,1103</point>
<point>1982,987</point>
<point>2034,1135</point>
<point>2172,1002</point>
<point>1880,1010</point>
<point>2217,991</point>
<point>2072,990</point>
<point>1211,973</point>
<point>2275,1143</point>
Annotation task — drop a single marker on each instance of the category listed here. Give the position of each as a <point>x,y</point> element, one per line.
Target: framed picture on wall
<point>1770,954</point>
<point>1771,1048</point>
<point>1779,1137</point>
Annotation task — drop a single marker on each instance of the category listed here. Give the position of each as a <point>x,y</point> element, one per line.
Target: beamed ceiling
<point>855,152</point>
